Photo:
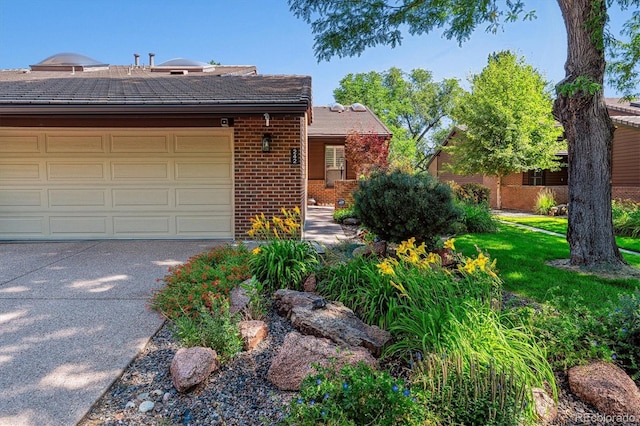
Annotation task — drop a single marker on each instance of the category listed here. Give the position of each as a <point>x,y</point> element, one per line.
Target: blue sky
<point>254,32</point>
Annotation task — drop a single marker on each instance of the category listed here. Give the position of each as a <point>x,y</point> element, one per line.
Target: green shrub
<point>283,264</point>
<point>214,328</point>
<point>622,326</point>
<point>545,200</point>
<point>477,218</point>
<point>201,280</point>
<point>339,215</point>
<point>626,217</point>
<point>398,206</point>
<point>355,395</point>
<point>471,193</point>
<point>476,393</point>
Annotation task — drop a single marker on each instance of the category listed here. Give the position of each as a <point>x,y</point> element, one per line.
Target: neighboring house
<point>178,150</point>
<point>519,190</point>
<point>327,137</point>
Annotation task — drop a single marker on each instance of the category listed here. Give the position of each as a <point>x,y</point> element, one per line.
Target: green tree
<point>411,105</point>
<point>349,27</point>
<point>508,123</point>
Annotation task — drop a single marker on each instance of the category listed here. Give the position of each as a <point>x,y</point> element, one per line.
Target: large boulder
<point>607,387</point>
<point>313,315</point>
<point>298,353</point>
<point>192,366</point>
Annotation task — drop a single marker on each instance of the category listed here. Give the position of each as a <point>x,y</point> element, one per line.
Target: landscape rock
<point>192,366</point>
<point>294,360</point>
<point>146,406</point>
<point>379,249</point>
<point>351,221</point>
<point>238,299</point>
<point>312,315</point>
<point>310,284</point>
<point>607,387</point>
<point>253,332</point>
<point>546,408</point>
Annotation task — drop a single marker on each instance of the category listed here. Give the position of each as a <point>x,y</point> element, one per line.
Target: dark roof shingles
<point>115,87</point>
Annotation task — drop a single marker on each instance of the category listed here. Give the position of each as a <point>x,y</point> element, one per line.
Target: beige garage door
<point>116,183</point>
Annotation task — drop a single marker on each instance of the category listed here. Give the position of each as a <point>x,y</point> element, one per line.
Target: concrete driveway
<point>72,317</point>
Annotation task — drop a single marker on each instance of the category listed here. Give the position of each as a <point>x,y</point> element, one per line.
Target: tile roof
<point>126,86</point>
<point>329,123</point>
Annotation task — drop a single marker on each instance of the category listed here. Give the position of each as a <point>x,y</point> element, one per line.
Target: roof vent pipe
<point>136,58</point>
<point>151,60</point>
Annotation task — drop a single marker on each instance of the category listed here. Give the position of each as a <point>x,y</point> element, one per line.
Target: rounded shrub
<point>397,206</point>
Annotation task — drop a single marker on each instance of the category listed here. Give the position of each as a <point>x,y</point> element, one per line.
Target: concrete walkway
<point>319,226</point>
<point>73,316</point>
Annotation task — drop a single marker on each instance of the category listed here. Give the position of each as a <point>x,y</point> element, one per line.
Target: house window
<point>334,164</point>
<point>536,177</point>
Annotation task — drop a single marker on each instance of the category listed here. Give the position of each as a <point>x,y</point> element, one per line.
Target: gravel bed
<point>237,394</point>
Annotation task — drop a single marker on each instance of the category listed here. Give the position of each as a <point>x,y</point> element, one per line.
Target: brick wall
<point>323,195</point>
<point>626,193</point>
<point>345,190</point>
<point>266,181</point>
<point>518,197</point>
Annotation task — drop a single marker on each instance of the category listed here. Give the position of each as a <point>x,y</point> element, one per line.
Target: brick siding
<point>266,181</point>
<point>319,192</point>
<point>626,193</point>
<point>345,190</point>
<point>519,197</point>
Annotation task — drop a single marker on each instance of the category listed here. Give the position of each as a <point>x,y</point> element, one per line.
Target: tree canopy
<point>412,105</point>
<point>507,119</point>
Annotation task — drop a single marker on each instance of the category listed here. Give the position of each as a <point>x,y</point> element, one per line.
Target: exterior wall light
<point>266,142</point>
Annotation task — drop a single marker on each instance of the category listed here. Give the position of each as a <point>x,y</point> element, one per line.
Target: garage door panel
<point>12,227</point>
<point>202,144</point>
<point>20,171</point>
<point>19,144</point>
<point>76,171</point>
<point>141,197</point>
<point>140,144</point>
<point>218,199</point>
<point>80,225</point>
<point>75,144</point>
<point>203,224</point>
<point>135,225</point>
<point>202,170</point>
<point>77,198</point>
<point>116,183</point>
<point>24,198</point>
<point>139,170</point>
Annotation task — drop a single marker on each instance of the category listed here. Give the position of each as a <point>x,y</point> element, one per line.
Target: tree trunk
<point>589,133</point>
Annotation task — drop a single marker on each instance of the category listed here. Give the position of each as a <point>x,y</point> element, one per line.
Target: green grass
<point>521,256</point>
<point>559,225</point>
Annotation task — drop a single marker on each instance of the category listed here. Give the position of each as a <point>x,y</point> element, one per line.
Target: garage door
<point>116,183</point>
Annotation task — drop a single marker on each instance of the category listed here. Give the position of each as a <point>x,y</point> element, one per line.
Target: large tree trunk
<point>589,133</point>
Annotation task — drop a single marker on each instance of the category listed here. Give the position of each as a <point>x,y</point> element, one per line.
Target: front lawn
<point>559,225</point>
<point>521,256</point>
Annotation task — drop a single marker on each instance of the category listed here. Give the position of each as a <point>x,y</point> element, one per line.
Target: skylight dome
<point>358,107</point>
<point>337,107</point>
<point>182,64</point>
<point>68,61</point>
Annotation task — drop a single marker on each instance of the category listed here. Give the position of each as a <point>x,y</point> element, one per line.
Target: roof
<point>627,120</point>
<point>627,107</point>
<point>328,123</point>
<point>121,89</point>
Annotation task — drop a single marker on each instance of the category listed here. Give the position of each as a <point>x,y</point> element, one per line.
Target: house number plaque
<point>295,155</point>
